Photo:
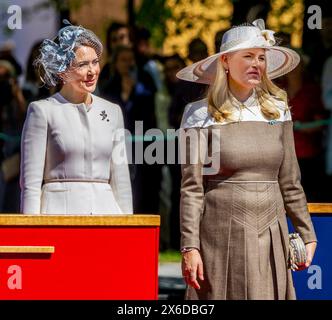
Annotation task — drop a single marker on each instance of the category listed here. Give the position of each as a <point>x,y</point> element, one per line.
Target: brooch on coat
<point>104,115</point>
<point>272,122</point>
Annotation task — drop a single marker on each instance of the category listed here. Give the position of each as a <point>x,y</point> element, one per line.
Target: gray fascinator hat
<point>280,60</point>
<point>57,55</point>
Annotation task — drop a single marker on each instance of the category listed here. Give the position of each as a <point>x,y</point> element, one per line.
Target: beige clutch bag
<point>297,251</point>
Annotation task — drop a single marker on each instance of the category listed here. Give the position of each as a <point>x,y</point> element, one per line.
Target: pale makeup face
<point>245,67</point>
<point>82,76</point>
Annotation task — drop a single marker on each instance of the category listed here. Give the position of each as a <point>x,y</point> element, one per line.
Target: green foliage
<point>170,256</point>
<point>153,15</point>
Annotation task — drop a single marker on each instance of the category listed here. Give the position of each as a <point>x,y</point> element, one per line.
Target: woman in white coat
<point>73,151</point>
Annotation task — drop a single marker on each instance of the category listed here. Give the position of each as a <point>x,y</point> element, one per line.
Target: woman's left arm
<point>294,197</point>
<point>120,178</point>
<point>291,188</point>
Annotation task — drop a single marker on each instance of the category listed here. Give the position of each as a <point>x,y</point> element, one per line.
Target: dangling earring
<point>226,70</point>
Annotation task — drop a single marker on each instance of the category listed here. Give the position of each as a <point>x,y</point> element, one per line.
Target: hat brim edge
<point>292,59</point>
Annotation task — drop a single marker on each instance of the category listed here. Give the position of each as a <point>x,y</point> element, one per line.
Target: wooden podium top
<point>147,220</point>
<point>80,220</point>
<point>320,208</point>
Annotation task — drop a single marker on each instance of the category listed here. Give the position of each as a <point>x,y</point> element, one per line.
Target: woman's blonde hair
<point>219,102</point>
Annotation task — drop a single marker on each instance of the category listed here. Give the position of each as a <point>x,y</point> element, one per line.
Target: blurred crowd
<point>144,85</point>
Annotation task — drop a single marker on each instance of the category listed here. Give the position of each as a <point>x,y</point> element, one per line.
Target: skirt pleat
<point>244,244</point>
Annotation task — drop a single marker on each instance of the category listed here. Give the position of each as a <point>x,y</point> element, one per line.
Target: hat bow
<point>266,33</point>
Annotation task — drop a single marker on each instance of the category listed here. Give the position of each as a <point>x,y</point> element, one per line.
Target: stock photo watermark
<point>15,19</point>
<point>315,280</point>
<point>13,277</point>
<point>201,147</point>
<point>315,20</point>
<point>12,16</point>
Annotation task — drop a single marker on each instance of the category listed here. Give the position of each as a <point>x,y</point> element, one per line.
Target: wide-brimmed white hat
<point>279,60</point>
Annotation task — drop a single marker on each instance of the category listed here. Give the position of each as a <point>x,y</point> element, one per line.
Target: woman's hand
<point>310,251</point>
<point>192,266</point>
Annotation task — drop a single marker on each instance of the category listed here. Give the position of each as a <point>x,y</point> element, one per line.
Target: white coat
<point>73,159</point>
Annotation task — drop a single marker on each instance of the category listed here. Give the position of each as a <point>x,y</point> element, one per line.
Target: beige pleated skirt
<point>244,242</point>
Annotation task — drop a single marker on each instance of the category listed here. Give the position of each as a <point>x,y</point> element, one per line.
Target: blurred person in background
<point>6,53</point>
<point>134,91</point>
<point>197,50</point>
<point>171,65</point>
<point>33,87</point>
<point>304,94</point>
<point>118,34</point>
<point>170,190</point>
<point>183,93</point>
<point>145,58</point>
<point>318,38</point>
<point>12,113</point>
<point>186,92</point>
<point>306,106</point>
<point>326,82</point>
<point>217,40</point>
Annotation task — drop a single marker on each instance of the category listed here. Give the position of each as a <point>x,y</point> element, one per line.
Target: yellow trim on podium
<point>79,220</point>
<point>320,207</point>
<point>27,249</point>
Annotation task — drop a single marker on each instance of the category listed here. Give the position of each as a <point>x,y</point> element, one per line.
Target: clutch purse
<point>297,251</point>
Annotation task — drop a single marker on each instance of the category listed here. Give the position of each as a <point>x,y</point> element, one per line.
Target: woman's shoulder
<point>54,99</point>
<point>48,104</point>
<point>42,104</point>
<point>196,115</point>
<point>40,109</point>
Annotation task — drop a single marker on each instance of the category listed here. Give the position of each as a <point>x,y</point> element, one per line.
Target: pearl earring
<point>226,70</point>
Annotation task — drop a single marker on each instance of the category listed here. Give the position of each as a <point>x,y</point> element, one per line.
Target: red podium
<point>47,257</point>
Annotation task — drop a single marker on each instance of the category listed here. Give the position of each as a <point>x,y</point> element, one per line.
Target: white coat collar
<point>58,97</point>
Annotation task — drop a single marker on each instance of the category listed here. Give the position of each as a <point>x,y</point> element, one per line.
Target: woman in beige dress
<point>234,233</point>
<point>73,144</point>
